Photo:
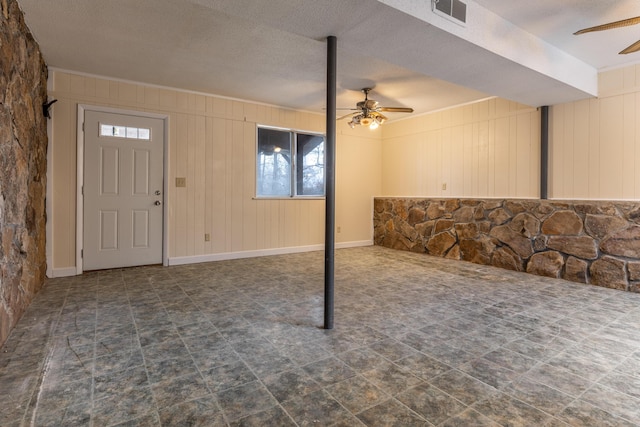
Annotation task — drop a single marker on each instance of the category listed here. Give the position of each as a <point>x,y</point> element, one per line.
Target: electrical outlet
<point>181,182</point>
<point>444,186</point>
<point>339,229</point>
<point>207,237</point>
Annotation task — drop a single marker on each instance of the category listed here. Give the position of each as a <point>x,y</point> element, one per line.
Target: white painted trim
<point>80,175</point>
<point>260,253</point>
<point>63,272</point>
<point>354,244</point>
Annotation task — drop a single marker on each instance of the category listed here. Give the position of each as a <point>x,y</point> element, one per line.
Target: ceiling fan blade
<point>347,115</point>
<point>610,25</point>
<point>395,109</point>
<point>633,48</point>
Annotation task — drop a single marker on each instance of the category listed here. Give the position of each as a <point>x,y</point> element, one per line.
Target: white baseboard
<point>72,271</point>
<point>61,272</point>
<point>263,252</point>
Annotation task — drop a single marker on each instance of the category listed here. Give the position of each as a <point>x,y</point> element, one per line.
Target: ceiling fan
<point>617,24</point>
<point>369,112</point>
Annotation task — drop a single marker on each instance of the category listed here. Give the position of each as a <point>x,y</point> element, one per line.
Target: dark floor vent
<point>451,9</point>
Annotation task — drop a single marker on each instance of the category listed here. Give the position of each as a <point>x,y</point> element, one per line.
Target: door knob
<point>157,203</point>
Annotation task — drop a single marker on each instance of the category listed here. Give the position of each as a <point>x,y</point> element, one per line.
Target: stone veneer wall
<point>23,146</point>
<point>582,241</point>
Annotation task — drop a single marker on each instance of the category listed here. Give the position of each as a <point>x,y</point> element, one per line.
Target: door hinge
<point>81,253</point>
<point>82,126</point>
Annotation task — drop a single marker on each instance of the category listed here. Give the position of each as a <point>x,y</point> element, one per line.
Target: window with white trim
<point>289,163</point>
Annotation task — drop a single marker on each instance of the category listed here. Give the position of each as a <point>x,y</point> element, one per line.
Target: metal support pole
<point>330,209</point>
<point>544,152</point>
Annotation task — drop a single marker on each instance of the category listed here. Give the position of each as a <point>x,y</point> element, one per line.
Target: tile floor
<point>417,341</point>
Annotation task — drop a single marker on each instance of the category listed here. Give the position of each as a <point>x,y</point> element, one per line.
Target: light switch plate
<point>181,182</point>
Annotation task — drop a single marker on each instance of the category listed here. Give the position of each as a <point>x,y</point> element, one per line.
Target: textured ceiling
<point>275,51</point>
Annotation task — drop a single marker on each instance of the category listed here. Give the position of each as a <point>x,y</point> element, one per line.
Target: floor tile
<point>392,413</point>
<point>245,400</point>
<point>584,414</point>
<point>271,417</point>
<point>357,394</point>
<point>328,371</point>
<point>391,378</point>
<point>434,405</point>
<point>120,382</point>
<point>317,408</point>
<point>290,384</point>
<point>122,408</point>
<point>506,410</point>
<point>241,342</point>
<point>199,412</point>
<point>228,376</point>
<point>174,390</point>
<point>463,387</point>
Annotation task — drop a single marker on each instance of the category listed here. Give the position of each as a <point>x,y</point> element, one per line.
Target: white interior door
<point>122,193</point>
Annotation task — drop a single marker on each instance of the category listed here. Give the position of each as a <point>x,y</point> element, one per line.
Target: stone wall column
<point>23,145</point>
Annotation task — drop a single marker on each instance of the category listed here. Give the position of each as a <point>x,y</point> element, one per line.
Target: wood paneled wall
<point>487,149</point>
<point>212,143</point>
<point>594,144</point>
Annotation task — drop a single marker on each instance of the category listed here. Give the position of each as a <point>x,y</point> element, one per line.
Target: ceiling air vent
<point>454,10</point>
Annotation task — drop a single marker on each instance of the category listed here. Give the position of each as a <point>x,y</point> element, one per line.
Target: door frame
<point>82,108</point>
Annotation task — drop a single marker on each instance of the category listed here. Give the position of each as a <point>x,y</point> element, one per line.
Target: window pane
<point>119,131</point>
<point>274,163</point>
<point>132,133</point>
<point>144,133</point>
<point>309,165</point>
<point>106,130</point>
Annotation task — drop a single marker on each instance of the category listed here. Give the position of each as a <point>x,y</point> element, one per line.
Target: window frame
<point>293,140</point>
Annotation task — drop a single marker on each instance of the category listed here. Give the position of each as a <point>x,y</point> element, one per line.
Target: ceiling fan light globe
<point>366,121</point>
<point>374,125</point>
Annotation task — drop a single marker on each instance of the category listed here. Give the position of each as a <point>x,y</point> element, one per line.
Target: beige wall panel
<point>611,147</point>
<point>127,93</point>
<point>629,78</point>
<point>556,133</point>
<point>483,155</point>
<point>181,125</point>
<point>581,150</point>
<point>478,150</point>
<point>358,164</point>
<point>446,164</point>
<point>594,154</point>
<point>76,84</point>
<point>523,151</point>
<point>629,144</point>
<point>456,174</point>
<point>502,146</point>
<point>200,180</point>
<point>217,171</point>
<point>249,209</point>
<point>513,154</point>
<point>468,166</point>
<point>209,162</point>
<point>64,183</point>
<point>636,178</point>
<point>610,82</point>
<point>192,184</point>
<point>429,174</point>
<point>568,149</point>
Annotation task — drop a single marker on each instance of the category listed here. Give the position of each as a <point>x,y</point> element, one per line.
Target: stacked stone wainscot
<point>23,166</point>
<point>592,242</point>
